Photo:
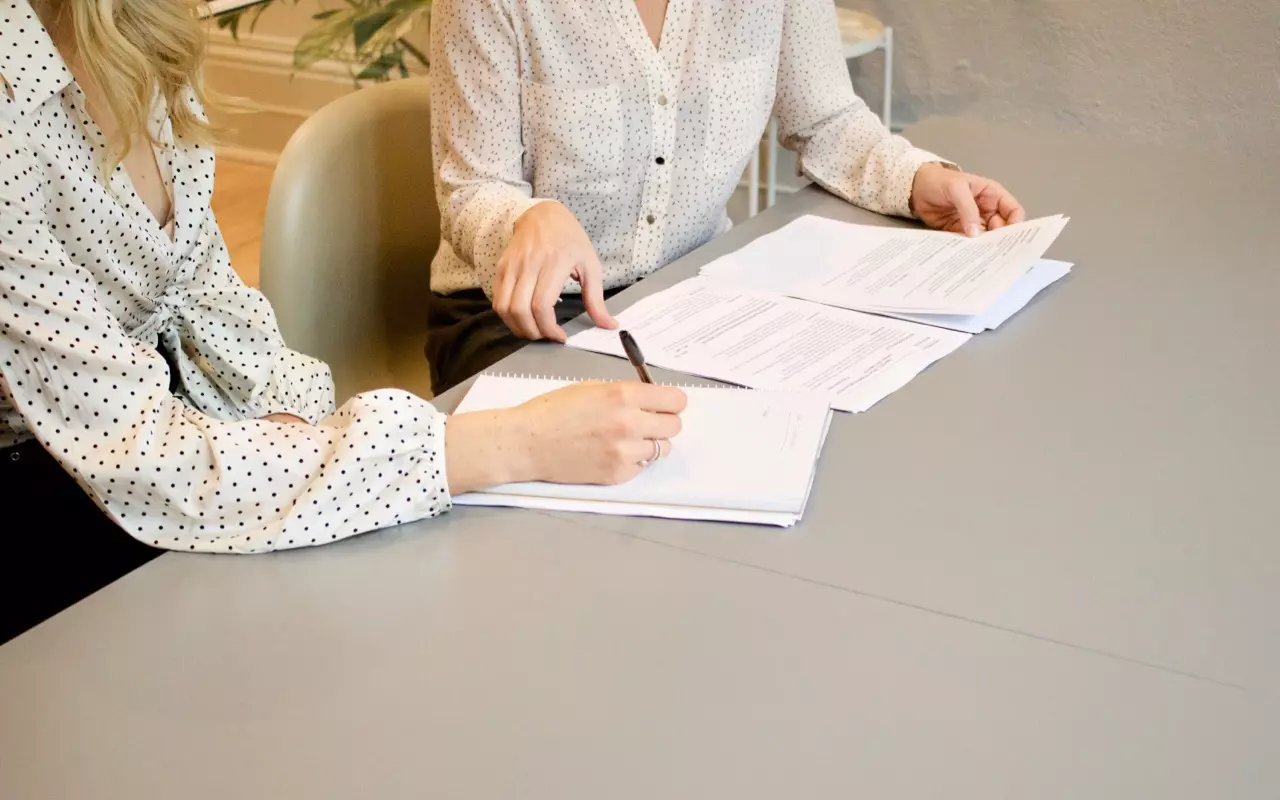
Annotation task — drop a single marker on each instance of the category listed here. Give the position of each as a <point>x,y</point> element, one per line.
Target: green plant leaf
<point>365,27</point>
<point>325,40</point>
<point>258,10</point>
<point>374,72</point>
<point>368,34</point>
<point>380,68</point>
<point>413,6</point>
<point>231,22</point>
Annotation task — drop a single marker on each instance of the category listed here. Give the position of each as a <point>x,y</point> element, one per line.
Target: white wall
<point>1204,73</point>
<point>1187,72</point>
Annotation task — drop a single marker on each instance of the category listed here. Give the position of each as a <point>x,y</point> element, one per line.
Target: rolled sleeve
<point>476,131</point>
<point>842,145</point>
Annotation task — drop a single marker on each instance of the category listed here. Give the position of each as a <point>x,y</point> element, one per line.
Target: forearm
<point>854,157</point>
<point>478,221</point>
<point>843,146</point>
<point>476,135</point>
<point>250,487</point>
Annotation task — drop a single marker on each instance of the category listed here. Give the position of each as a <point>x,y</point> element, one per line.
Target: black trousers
<point>58,547</point>
<point>465,335</point>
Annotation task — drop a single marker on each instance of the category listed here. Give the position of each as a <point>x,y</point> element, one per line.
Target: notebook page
<point>747,451</point>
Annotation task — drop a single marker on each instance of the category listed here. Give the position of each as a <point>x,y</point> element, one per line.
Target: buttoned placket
<point>662,79</point>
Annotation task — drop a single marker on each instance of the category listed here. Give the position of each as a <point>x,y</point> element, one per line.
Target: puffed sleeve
<point>98,400</point>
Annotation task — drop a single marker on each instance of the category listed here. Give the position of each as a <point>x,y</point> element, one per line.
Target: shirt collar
<point>31,68</point>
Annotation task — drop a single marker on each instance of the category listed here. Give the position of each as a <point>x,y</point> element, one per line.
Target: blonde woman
<point>583,145</point>
<point>146,399</point>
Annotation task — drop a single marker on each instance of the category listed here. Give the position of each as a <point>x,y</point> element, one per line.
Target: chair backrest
<point>350,230</point>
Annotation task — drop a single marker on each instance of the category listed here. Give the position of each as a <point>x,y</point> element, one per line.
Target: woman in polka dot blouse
<point>146,399</point>
<point>583,145</point>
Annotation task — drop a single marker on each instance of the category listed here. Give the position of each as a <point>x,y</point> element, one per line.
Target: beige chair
<point>351,226</point>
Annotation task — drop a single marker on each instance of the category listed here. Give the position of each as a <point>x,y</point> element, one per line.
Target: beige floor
<point>240,200</point>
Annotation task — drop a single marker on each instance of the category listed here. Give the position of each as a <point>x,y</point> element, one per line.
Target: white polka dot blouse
<point>570,101</point>
<point>93,291</point>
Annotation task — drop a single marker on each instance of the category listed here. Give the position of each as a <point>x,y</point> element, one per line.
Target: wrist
<point>523,453</point>
<point>488,448</point>
<point>923,172</point>
<point>536,208</point>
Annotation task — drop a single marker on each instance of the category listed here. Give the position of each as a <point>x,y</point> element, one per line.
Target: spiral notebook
<point>742,456</point>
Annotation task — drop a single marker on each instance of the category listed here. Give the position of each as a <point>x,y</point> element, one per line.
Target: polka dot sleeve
<point>476,132</point>
<point>842,145</point>
<point>99,400</point>
<point>242,368</point>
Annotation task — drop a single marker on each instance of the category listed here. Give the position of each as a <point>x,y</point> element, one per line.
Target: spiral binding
<point>520,376</point>
<point>725,387</point>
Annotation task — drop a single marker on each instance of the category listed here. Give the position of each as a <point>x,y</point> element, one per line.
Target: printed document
<point>889,270</point>
<point>1040,277</point>
<point>766,341</point>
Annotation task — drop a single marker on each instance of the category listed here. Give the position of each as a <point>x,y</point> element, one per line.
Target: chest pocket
<point>737,113</point>
<point>574,137</point>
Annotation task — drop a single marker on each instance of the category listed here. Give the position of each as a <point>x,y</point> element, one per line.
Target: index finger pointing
<point>591,279</point>
<point>960,193</point>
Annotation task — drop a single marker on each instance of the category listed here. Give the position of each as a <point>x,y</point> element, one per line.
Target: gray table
<point>1046,568</point>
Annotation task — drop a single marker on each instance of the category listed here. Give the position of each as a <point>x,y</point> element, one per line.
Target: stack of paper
<point>933,277</point>
<point>741,457</point>
<point>767,341</point>
<point>853,312</point>
<point>1038,278</point>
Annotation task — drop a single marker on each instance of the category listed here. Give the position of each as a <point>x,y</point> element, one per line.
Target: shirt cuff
<point>516,208</point>
<point>899,202</point>
<point>438,495</point>
<point>300,385</point>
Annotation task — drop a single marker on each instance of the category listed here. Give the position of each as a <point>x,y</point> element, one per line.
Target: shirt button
<point>651,219</point>
<point>662,99</point>
<point>660,160</point>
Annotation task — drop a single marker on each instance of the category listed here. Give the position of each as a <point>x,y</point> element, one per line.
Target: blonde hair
<point>136,50</point>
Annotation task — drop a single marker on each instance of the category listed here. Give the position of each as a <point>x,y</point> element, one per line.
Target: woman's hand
<point>588,433</point>
<point>962,203</point>
<point>547,247</point>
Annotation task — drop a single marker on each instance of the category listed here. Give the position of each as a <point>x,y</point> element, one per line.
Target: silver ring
<point>657,453</point>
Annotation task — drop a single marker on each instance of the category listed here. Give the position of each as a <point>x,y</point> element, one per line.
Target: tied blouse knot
<point>185,316</point>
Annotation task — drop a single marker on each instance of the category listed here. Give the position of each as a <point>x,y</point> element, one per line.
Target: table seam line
<point>922,608</point>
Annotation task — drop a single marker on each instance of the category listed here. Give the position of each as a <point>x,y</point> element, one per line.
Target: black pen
<point>635,356</point>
